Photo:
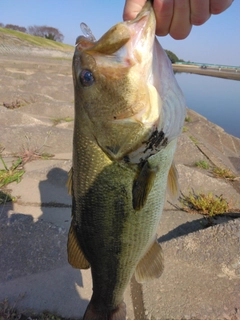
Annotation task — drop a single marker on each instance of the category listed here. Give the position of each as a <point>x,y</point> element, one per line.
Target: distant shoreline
<point>209,71</point>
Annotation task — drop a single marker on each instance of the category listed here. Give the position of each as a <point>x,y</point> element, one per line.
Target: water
<point>216,99</point>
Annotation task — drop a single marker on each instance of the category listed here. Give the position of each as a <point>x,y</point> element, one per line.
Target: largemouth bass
<point>129,112</point>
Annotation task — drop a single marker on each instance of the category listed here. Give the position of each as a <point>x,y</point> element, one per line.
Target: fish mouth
<point>131,34</point>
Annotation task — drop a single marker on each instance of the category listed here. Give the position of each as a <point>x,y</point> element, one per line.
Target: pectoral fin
<point>70,182</point>
<point>75,255</point>
<point>142,186</point>
<point>151,265</point>
<point>172,184</point>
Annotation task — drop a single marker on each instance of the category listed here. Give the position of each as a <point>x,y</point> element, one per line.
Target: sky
<point>217,41</point>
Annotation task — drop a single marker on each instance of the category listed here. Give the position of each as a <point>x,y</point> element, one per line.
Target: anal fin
<point>151,265</point>
<point>142,186</point>
<point>75,255</point>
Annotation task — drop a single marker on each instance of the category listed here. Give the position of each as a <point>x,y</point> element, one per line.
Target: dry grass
<point>31,151</point>
<point>206,204</point>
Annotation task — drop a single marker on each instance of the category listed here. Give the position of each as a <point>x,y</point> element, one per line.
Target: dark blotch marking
<point>156,140</point>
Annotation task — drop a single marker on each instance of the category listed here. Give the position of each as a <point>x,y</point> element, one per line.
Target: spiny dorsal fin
<point>172,185</point>
<point>75,255</point>
<point>151,265</point>
<point>142,186</point>
<point>69,183</point>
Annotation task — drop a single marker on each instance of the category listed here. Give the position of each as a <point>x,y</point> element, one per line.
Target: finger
<point>132,8</point>
<point>180,26</point>
<point>199,12</point>
<point>163,11</point>
<point>218,6</point>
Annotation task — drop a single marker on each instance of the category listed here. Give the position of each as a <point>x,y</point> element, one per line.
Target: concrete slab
<point>201,279</point>
<point>44,183</point>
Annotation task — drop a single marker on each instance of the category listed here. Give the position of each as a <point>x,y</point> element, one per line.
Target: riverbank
<point>213,72</point>
<point>36,113</point>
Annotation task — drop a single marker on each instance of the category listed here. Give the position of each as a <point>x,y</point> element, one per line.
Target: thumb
<point>132,8</point>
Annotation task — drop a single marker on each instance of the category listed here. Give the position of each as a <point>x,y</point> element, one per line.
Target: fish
<point>129,112</point>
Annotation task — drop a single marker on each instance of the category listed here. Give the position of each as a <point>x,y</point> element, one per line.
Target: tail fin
<point>118,313</point>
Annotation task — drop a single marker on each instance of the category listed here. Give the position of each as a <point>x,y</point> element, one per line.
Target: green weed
<point>188,119</point>
<point>202,164</point>
<point>194,140</point>
<point>184,129</point>
<point>206,204</point>
<point>56,121</point>
<point>14,173</point>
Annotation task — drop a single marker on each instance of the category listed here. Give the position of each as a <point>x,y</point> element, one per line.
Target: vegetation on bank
<point>40,31</point>
<point>37,41</point>
<point>173,57</point>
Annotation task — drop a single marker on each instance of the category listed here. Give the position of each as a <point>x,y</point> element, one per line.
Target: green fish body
<point>129,112</point>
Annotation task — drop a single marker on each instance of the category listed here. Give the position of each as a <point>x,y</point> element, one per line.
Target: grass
<point>56,121</point>
<point>202,164</point>
<point>30,152</point>
<point>14,173</point>
<point>184,129</point>
<point>205,204</point>
<point>223,173</point>
<point>38,41</point>
<point>188,119</point>
<point>194,140</point>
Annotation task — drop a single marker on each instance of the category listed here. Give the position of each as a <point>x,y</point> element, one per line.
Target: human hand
<point>176,17</point>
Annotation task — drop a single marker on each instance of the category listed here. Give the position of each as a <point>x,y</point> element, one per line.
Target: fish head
<point>116,101</point>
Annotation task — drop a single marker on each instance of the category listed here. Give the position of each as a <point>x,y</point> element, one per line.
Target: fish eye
<point>86,78</point>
